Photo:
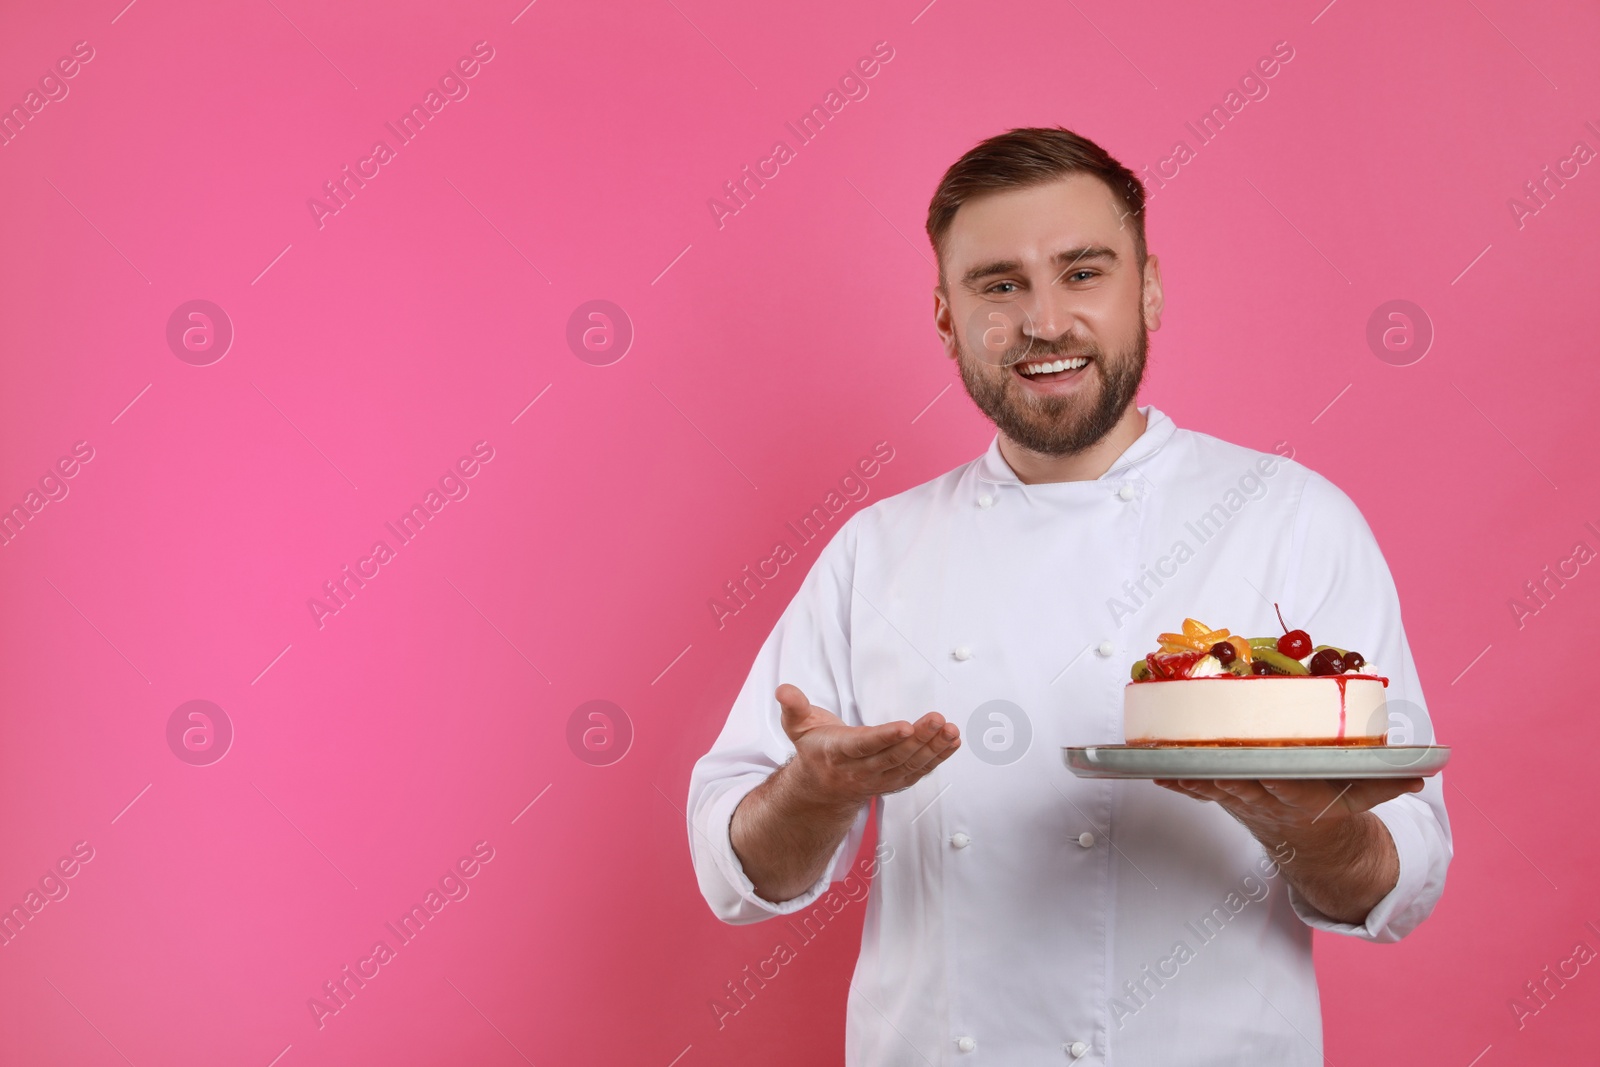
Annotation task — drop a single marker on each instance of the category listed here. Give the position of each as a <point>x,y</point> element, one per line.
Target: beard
<point>1056,425</point>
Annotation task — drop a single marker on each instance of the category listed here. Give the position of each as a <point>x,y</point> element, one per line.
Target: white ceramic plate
<point>1286,761</point>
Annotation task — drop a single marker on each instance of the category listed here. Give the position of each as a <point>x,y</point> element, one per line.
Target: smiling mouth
<point>1051,370</point>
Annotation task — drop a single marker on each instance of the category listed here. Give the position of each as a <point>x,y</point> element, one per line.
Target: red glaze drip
<point>1340,679</point>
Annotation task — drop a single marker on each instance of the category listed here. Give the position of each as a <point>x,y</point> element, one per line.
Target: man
<point>1020,915</point>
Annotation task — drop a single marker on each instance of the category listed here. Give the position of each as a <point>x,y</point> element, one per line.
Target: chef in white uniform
<point>950,640</point>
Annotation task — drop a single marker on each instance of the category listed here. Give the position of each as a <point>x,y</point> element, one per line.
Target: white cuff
<point>1388,920</point>
<point>743,904</point>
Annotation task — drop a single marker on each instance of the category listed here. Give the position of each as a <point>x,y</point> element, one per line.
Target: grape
<point>1328,661</point>
<point>1224,652</point>
<point>1354,661</point>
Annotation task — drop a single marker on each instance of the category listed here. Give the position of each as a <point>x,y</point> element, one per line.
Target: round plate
<point>1285,761</point>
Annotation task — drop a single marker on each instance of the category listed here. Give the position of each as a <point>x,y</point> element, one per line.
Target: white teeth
<point>1058,365</point>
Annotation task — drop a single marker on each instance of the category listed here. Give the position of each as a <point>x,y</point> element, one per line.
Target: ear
<point>1153,298</point>
<point>943,322</point>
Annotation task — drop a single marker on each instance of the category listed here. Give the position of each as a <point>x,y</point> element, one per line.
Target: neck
<point>1033,468</point>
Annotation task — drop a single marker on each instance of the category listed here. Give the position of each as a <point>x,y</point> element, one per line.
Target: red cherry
<point>1224,652</point>
<point>1296,644</point>
<point>1328,661</point>
<point>1354,661</point>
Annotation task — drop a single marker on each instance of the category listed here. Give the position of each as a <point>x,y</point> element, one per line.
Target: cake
<point>1210,687</point>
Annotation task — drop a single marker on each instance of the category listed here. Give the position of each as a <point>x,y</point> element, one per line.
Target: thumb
<point>796,709</point>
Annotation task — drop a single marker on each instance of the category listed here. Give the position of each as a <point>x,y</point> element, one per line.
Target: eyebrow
<point>1069,258</point>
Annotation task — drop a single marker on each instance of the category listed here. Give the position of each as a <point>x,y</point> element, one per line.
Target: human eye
<point>1001,288</point>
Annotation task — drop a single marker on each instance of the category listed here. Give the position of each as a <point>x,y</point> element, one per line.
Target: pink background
<point>769,355</point>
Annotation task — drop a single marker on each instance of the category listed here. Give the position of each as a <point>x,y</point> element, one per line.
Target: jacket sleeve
<point>1340,591</point>
<point>810,648</point>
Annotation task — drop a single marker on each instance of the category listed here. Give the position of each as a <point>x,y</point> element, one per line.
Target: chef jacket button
<point>965,1043</point>
<point>1106,648</point>
<point>985,501</point>
<point>1086,839</point>
<point>1127,492</point>
<point>962,653</point>
<point>1078,1050</point>
<point>959,840</point>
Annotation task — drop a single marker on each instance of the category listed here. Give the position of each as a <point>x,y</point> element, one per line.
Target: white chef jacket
<point>1019,914</point>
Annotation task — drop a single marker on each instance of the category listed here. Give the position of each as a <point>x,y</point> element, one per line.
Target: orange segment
<point>1241,646</point>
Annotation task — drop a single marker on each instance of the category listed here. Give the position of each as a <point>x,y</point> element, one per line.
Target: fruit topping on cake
<point>1201,652</point>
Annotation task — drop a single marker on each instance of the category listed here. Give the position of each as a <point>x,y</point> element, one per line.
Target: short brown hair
<point>1025,157</point>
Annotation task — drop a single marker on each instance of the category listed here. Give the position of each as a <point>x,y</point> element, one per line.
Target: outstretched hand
<point>851,764</point>
<point>1286,807</point>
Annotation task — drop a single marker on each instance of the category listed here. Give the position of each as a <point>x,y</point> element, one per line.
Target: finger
<point>898,755</point>
<point>1179,787</point>
<point>870,742</point>
<point>903,777</point>
<point>1245,791</point>
<point>933,751</point>
<point>795,710</point>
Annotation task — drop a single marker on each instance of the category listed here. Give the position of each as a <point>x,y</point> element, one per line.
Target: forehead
<point>1034,222</point>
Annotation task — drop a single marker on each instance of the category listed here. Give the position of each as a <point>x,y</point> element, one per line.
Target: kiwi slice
<point>1263,642</point>
<point>1141,671</point>
<point>1278,662</point>
<point>1336,648</point>
<point>1239,669</point>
